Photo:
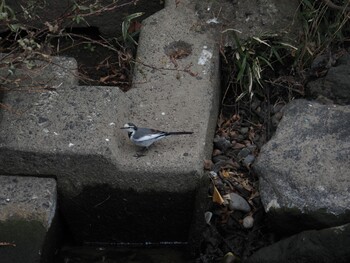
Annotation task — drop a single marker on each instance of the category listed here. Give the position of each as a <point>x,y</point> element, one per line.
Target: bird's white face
<point>129,127</point>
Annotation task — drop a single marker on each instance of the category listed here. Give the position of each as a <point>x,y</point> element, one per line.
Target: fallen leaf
<point>217,198</point>
<point>225,173</point>
<point>3,244</point>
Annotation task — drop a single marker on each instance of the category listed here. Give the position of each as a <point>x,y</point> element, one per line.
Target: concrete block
<point>69,133</point>
<point>72,133</point>
<point>27,219</point>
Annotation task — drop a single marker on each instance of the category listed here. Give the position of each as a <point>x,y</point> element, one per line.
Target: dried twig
<point>7,244</point>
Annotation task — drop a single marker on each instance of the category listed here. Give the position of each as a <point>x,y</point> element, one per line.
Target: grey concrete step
<point>72,133</point>
<point>28,220</point>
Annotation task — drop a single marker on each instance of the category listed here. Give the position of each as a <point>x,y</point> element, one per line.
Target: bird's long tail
<point>178,133</point>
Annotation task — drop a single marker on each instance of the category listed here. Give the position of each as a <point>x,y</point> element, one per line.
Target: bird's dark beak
<point>123,128</point>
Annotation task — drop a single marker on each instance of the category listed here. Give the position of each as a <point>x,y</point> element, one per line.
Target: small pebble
<point>216,152</point>
<point>243,153</point>
<point>248,222</point>
<point>244,130</point>
<point>221,143</point>
<point>208,164</point>
<point>279,115</point>
<point>219,158</point>
<point>233,134</point>
<point>278,107</point>
<point>233,164</point>
<point>229,258</point>
<point>217,166</point>
<point>240,138</point>
<point>248,160</point>
<point>238,146</point>
<point>256,137</point>
<point>213,175</point>
<point>247,143</point>
<point>237,202</point>
<point>207,216</point>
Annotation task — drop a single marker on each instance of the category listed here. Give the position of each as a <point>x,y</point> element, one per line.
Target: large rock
<point>304,169</point>
<point>28,220</point>
<point>336,84</point>
<point>324,246</point>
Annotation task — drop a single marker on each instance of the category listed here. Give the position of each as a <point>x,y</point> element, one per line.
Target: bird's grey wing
<point>144,134</point>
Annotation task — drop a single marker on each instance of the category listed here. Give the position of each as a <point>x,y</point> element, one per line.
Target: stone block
<point>72,133</point>
<point>304,169</point>
<point>314,246</point>
<point>28,220</point>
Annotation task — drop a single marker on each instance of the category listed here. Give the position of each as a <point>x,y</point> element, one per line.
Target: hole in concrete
<point>178,49</point>
<point>102,62</point>
<point>104,57</point>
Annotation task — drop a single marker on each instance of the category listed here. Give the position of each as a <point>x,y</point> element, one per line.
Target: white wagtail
<point>145,137</point>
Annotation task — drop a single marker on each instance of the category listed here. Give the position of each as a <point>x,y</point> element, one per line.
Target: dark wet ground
<point>100,62</point>
<point>88,254</point>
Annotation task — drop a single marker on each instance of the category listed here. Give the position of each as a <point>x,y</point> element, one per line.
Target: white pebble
<point>248,222</point>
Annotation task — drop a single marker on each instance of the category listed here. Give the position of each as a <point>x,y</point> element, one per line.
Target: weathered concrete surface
<point>106,15</point>
<point>324,246</point>
<point>27,219</point>
<point>72,133</point>
<point>304,169</point>
<point>175,94</point>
